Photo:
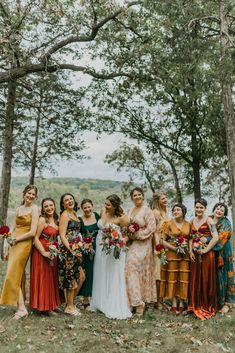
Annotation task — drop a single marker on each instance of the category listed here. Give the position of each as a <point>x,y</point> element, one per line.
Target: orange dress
<point>44,289</point>
<point>203,299</point>
<point>175,274</point>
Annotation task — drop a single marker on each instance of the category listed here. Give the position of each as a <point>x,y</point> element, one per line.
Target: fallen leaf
<point>196,342</point>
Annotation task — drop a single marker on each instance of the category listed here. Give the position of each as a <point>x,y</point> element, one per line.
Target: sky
<point>93,167</point>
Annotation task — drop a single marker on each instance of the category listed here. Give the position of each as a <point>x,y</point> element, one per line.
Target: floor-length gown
<point>109,287</point>
<point>141,284</point>
<point>202,297</point>
<point>18,257</point>
<point>44,288</point>
<point>88,263</point>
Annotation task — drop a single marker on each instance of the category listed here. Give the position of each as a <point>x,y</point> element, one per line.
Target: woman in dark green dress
<point>89,227</point>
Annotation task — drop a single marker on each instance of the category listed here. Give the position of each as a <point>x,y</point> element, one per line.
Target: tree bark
<point>7,154</point>
<point>35,145</point>
<point>7,150</point>
<point>226,83</point>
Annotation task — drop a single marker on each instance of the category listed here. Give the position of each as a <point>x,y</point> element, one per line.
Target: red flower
<point>56,244</point>
<point>87,240</point>
<point>196,240</point>
<point>159,247</point>
<point>136,226</point>
<point>121,244</point>
<point>180,240</point>
<point>4,230</point>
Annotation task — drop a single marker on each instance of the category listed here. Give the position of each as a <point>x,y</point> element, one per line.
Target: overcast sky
<point>93,167</point>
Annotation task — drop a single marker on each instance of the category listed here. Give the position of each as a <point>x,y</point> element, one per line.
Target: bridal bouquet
<point>112,241</point>
<point>181,245</point>
<point>5,232</point>
<point>160,251</point>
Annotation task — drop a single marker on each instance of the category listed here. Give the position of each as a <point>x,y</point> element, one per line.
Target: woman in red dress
<point>44,290</point>
<point>202,299</point>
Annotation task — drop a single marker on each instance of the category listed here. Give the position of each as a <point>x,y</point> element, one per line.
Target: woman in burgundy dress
<point>44,290</point>
<point>202,299</point>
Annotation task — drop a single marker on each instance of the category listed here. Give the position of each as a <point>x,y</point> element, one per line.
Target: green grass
<point>157,331</point>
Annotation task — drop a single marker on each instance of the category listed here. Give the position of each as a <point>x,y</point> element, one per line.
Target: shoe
<point>75,312</point>
<point>173,309</point>
<point>140,310</point>
<point>18,316</point>
<point>181,310</point>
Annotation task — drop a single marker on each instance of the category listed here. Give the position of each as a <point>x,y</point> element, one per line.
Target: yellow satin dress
<point>18,258</point>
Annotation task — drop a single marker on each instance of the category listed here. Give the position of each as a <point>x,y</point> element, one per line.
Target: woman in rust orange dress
<point>44,289</point>
<point>202,299</point>
<point>175,235</point>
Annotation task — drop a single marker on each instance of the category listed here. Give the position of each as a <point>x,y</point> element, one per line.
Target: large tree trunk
<point>196,179</point>
<point>7,154</point>
<point>35,145</point>
<point>7,150</point>
<point>229,118</point>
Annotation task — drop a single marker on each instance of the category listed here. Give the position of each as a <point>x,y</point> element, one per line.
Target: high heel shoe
<point>18,316</point>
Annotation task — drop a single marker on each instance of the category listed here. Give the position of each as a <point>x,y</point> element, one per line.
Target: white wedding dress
<point>109,293</point>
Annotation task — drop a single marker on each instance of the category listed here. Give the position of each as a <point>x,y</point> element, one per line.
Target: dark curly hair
<point>116,203</point>
<point>43,214</point>
<point>222,204</point>
<point>182,206</point>
<point>62,199</point>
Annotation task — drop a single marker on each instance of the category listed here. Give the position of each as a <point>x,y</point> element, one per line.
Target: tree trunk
<point>179,197</point>
<point>7,154</point>
<point>196,179</point>
<point>35,145</point>
<point>7,150</point>
<point>229,118</point>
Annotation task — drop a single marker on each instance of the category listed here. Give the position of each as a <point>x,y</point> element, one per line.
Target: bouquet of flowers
<point>161,253</point>
<point>55,252</point>
<point>5,232</point>
<point>87,246</point>
<point>132,230</point>
<point>77,245</point>
<point>181,245</point>
<point>198,244</point>
<point>112,241</point>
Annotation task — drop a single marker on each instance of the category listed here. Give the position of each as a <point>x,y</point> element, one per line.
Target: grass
<point>157,331</point>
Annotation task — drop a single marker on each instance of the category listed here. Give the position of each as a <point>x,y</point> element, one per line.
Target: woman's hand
<point>192,256</point>
<point>48,255</point>
<point>203,251</point>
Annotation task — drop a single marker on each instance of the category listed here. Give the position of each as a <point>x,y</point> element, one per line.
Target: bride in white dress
<point>109,293</point>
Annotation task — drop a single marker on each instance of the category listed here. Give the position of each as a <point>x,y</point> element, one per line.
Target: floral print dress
<point>69,267</point>
<point>141,285</point>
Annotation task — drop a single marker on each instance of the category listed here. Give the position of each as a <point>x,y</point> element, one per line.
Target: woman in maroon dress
<point>202,299</point>
<point>44,291</point>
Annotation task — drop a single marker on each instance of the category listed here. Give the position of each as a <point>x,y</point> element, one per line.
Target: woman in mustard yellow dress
<point>175,274</point>
<point>25,226</point>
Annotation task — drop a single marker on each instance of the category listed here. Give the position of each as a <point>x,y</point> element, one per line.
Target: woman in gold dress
<point>25,226</point>
<point>175,274</point>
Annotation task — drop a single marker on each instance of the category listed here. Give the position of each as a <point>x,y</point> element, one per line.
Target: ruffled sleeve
<point>225,232</point>
<point>150,225</point>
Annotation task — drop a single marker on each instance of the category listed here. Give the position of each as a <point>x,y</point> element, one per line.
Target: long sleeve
<point>225,232</point>
<point>150,223</point>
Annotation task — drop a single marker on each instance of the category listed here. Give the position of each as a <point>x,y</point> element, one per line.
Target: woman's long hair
<point>156,205</point>
<point>43,213</point>
<point>62,200</point>
<point>116,203</point>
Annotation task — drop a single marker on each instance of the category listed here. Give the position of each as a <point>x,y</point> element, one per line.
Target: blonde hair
<point>156,201</point>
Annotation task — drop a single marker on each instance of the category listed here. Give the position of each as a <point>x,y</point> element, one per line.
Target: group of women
<point>199,282</point>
